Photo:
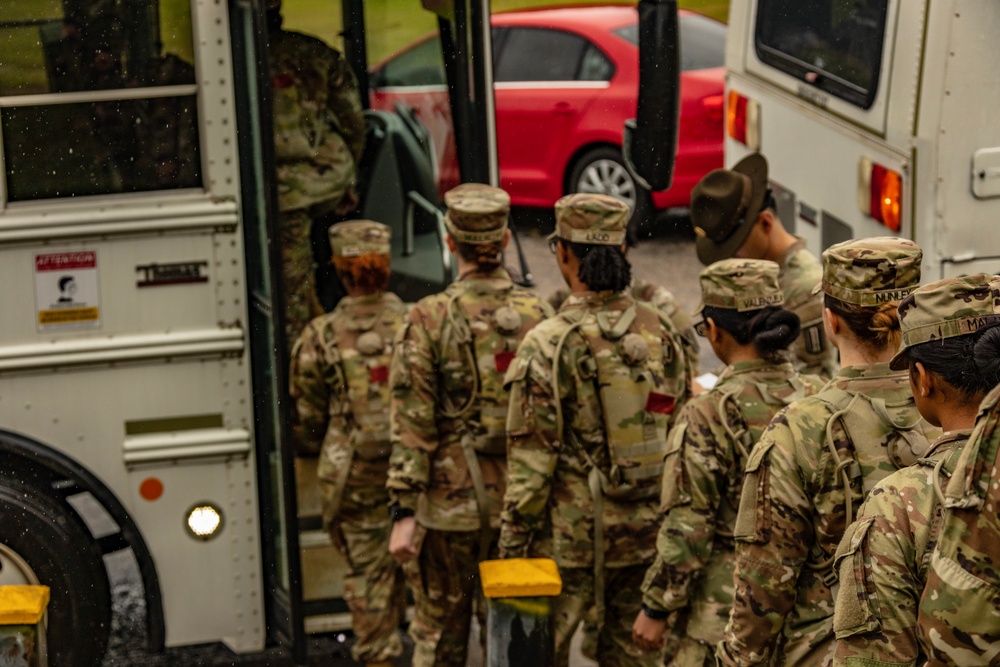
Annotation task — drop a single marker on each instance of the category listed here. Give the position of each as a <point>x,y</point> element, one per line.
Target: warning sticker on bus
<point>67,291</point>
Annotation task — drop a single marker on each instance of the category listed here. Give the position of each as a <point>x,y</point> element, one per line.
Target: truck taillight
<point>743,120</point>
<point>880,190</point>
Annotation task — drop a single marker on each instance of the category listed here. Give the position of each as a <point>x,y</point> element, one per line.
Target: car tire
<point>44,539</point>
<point>602,170</point>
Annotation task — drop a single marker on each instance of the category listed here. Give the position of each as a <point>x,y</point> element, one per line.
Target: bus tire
<point>59,550</point>
<point>602,170</point>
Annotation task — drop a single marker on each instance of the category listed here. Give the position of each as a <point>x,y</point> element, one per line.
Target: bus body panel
<point>935,107</point>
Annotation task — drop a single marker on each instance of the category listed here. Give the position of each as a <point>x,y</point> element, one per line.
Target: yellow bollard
<point>519,594</point>
<point>22,633</point>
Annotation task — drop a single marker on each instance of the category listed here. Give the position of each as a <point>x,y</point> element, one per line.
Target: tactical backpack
<point>637,394</point>
<point>360,365</point>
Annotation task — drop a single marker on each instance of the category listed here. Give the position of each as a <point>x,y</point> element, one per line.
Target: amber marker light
<point>743,120</point>
<point>880,191</point>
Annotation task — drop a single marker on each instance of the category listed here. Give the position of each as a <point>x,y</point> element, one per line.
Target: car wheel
<point>602,171</point>
<point>44,541</point>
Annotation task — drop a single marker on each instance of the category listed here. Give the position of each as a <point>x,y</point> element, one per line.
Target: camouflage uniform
<point>564,498</point>
<point>957,616</point>
<point>663,300</point>
<point>318,140</point>
<point>339,381</point>
<point>448,462</point>
<point>725,205</point>
<point>692,575</point>
<point>795,508</point>
<point>885,555</point>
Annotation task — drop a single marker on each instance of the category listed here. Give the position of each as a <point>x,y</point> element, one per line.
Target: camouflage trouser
<point>691,653</point>
<point>622,602</point>
<point>445,583</point>
<point>298,273</point>
<point>374,586</point>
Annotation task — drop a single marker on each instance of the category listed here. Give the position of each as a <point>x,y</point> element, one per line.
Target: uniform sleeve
<point>875,618</point>
<point>694,478</point>
<point>345,102</point>
<point>814,354</point>
<point>413,378</point>
<point>774,532</point>
<point>310,386</point>
<point>532,447</point>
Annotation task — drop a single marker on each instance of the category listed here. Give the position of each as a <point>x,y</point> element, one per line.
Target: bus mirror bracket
<point>650,139</point>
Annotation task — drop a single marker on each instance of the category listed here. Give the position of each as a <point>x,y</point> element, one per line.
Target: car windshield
<point>703,41</point>
<point>835,45</point>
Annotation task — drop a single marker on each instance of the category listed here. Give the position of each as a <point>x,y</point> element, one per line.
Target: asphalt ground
<point>665,257</point>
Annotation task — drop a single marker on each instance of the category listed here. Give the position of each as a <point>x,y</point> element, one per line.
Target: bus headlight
<point>204,521</point>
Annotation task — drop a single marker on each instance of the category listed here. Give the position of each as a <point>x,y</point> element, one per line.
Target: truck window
<point>703,41</point>
<point>97,98</point>
<point>835,45</point>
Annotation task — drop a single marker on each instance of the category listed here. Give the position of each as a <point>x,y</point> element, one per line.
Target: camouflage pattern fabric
<point>339,381</point>
<point>591,219</point>
<point>477,213</point>
<point>549,505</point>
<point>298,274</point>
<point>429,473</point>
<point>702,480</point>
<point>446,592</point>
<point>743,285</point>
<point>427,457</point>
<point>664,301</point>
<point>612,642</point>
<point>812,353</point>
<point>883,561</point>
<point>871,271</point>
<point>792,516</point>
<point>957,616</point>
<point>319,129</point>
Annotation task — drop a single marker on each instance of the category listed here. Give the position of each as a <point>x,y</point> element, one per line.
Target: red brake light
<point>713,105</point>
<point>736,117</point>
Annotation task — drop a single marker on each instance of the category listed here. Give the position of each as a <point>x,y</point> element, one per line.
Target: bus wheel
<point>45,541</point>
<point>602,170</point>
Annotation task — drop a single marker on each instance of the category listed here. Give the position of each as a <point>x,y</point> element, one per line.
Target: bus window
<point>835,45</point>
<point>97,98</point>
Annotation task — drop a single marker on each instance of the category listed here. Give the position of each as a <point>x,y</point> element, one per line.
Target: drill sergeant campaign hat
<point>945,309</point>
<point>591,219</point>
<point>870,272</point>
<point>360,237</point>
<point>741,285</point>
<point>477,213</point>
<point>725,205</point>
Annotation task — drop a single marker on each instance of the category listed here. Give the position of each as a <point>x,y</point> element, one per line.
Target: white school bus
<point>878,117</point>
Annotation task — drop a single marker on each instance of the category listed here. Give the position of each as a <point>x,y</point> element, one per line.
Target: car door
<point>546,79</point>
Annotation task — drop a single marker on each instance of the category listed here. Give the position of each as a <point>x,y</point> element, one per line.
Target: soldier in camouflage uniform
<point>734,215</point>
<point>340,384</point>
<point>957,617</point>
<point>593,391</point>
<point>951,347</point>
<point>449,409</point>
<point>807,475</point>
<point>319,134</point>
<point>690,582</point>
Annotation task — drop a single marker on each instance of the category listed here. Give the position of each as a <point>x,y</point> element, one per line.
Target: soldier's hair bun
<point>774,330</point>
<point>986,353</point>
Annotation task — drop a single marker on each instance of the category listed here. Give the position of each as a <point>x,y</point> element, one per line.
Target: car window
<point>703,41</point>
<point>421,65</point>
<point>97,98</point>
<point>835,45</point>
<point>541,54</point>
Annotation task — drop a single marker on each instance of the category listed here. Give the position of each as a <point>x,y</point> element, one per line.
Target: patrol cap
<point>945,309</point>
<point>477,213</point>
<point>741,285</point>
<point>725,205</point>
<point>360,237</point>
<point>590,218</point>
<point>870,272</point>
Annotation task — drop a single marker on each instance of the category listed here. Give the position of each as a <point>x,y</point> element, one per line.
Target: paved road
<point>667,259</point>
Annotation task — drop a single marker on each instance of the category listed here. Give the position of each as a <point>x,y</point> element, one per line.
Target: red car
<point>565,81</point>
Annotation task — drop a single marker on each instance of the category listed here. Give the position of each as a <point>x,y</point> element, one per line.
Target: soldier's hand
<point>402,545</point>
<point>647,632</point>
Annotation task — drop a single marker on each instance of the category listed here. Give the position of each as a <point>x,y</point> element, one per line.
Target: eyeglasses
<point>552,245</point>
<point>699,328</point>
